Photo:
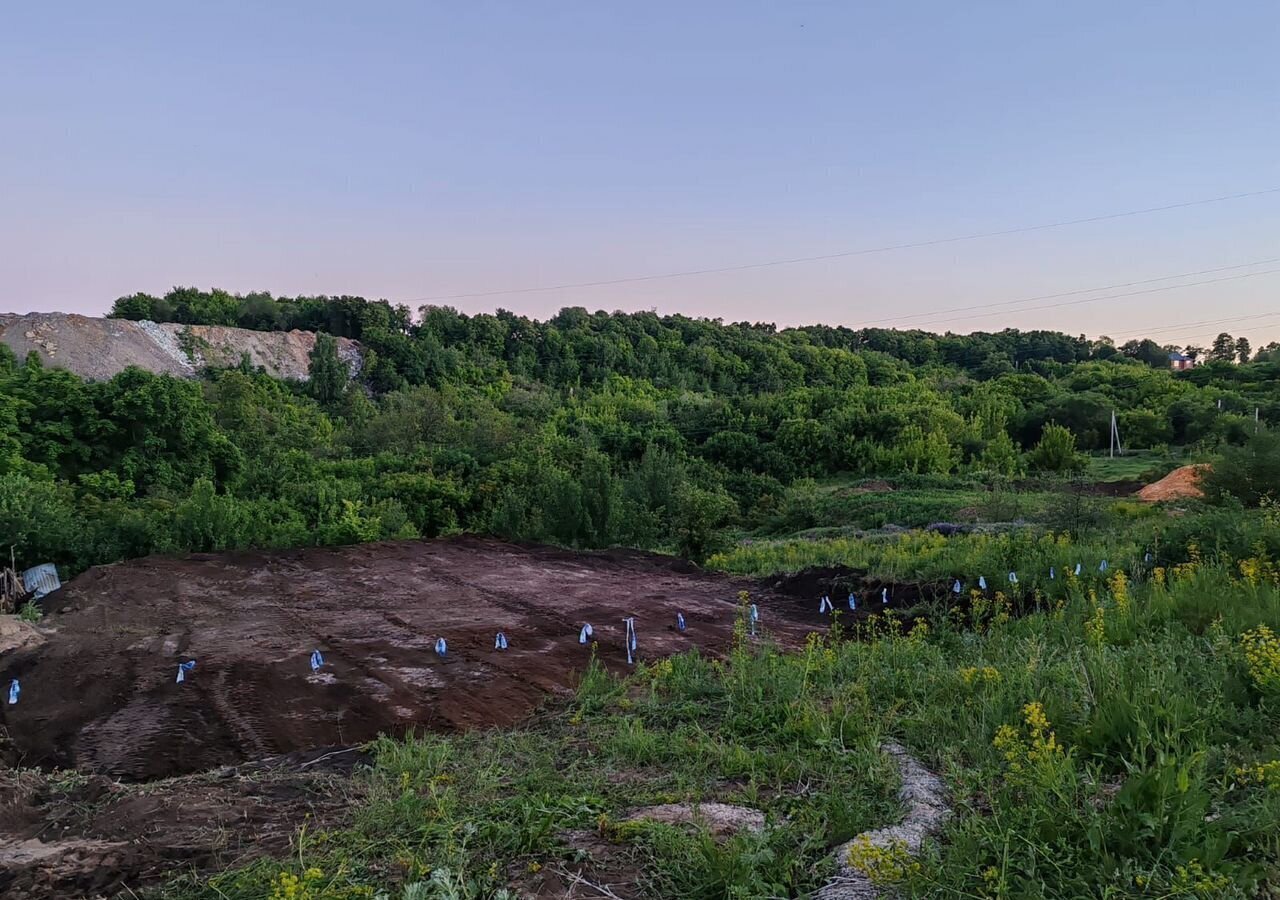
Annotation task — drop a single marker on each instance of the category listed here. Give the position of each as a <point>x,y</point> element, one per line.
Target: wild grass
<point>1132,466</point>
<point>843,503</point>
<point>924,556</point>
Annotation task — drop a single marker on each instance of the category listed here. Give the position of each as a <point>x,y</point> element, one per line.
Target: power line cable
<point>1168,287</point>
<point>1179,325</point>
<point>795,260</point>
<point>1092,290</point>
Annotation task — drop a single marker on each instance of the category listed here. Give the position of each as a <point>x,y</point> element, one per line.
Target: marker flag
<point>630,622</point>
<point>14,690</point>
<point>585,634</point>
<point>441,647</point>
<point>500,642</point>
<point>183,669</point>
<point>1013,577</point>
<point>1147,556</point>
<point>957,588</point>
<point>1077,569</point>
<point>680,621</point>
<point>316,660</point>
<point>1052,575</point>
<point>824,605</point>
<point>755,617</point>
<point>884,595</point>
<point>982,582</point>
<point>1102,566</point>
<point>853,602</point>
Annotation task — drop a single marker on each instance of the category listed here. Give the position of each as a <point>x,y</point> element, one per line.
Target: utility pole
<point>1115,436</point>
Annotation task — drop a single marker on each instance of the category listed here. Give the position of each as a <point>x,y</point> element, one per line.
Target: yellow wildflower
<point>1262,657</point>
<point>1119,590</point>
<point>882,864</point>
<point>1265,774</point>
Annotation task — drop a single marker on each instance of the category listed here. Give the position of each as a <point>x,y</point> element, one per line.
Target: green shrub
<point>1056,451</point>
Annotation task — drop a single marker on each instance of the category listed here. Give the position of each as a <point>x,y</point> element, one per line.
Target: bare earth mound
<point>1180,484</point>
<point>100,348</point>
<point>100,693</point>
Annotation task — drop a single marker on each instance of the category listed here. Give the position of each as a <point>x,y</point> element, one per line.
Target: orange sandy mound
<point>1180,484</point>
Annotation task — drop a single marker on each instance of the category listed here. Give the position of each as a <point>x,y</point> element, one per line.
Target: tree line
<point>587,429</point>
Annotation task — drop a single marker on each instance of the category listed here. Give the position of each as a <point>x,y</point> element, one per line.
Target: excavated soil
<point>100,348</point>
<point>66,835</point>
<point>1180,484</point>
<point>99,693</point>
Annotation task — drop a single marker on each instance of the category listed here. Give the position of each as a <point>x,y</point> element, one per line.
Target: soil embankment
<point>100,348</point>
<point>1181,484</point>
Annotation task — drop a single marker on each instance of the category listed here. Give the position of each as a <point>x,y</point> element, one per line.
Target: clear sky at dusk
<point>422,150</point>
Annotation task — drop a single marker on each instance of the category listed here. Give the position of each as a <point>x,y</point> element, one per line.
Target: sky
<point>418,151</point>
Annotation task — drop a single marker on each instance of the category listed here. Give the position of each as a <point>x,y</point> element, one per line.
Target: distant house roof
<point>1178,357</point>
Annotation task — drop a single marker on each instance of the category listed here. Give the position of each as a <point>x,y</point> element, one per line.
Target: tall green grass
<point>925,556</point>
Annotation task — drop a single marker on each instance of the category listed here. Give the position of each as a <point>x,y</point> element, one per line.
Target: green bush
<point>1250,473</point>
<point>1056,451</point>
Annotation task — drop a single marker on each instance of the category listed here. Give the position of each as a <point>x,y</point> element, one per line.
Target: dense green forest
<point>589,429</point>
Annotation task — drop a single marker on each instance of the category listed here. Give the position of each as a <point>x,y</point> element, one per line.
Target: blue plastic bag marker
<point>957,588</point>
<point>982,582</point>
<point>1052,576</point>
<point>1013,577</point>
<point>441,647</point>
<point>14,690</point>
<point>183,669</point>
<point>1077,569</point>
<point>500,642</point>
<point>884,595</point>
<point>1102,566</point>
<point>630,622</point>
<point>680,621</point>
<point>316,660</point>
<point>755,617</point>
<point>824,605</point>
<point>585,634</point>
<point>1146,557</point>
<point>853,602</point>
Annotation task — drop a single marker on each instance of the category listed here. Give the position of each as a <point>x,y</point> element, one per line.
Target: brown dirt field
<point>76,836</point>
<point>1180,484</point>
<point>99,694</point>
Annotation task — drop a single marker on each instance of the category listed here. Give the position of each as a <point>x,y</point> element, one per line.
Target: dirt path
<point>99,694</point>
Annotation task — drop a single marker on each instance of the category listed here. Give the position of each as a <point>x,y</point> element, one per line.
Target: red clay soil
<point>99,694</point>
<point>1181,484</point>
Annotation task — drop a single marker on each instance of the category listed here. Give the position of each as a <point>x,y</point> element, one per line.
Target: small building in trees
<point>1180,361</point>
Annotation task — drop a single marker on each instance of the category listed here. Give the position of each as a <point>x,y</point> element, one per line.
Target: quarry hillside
<point>100,348</point>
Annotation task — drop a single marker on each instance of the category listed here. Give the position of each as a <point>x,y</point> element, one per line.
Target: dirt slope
<point>100,348</point>
<point>100,691</point>
<point>1181,484</point>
